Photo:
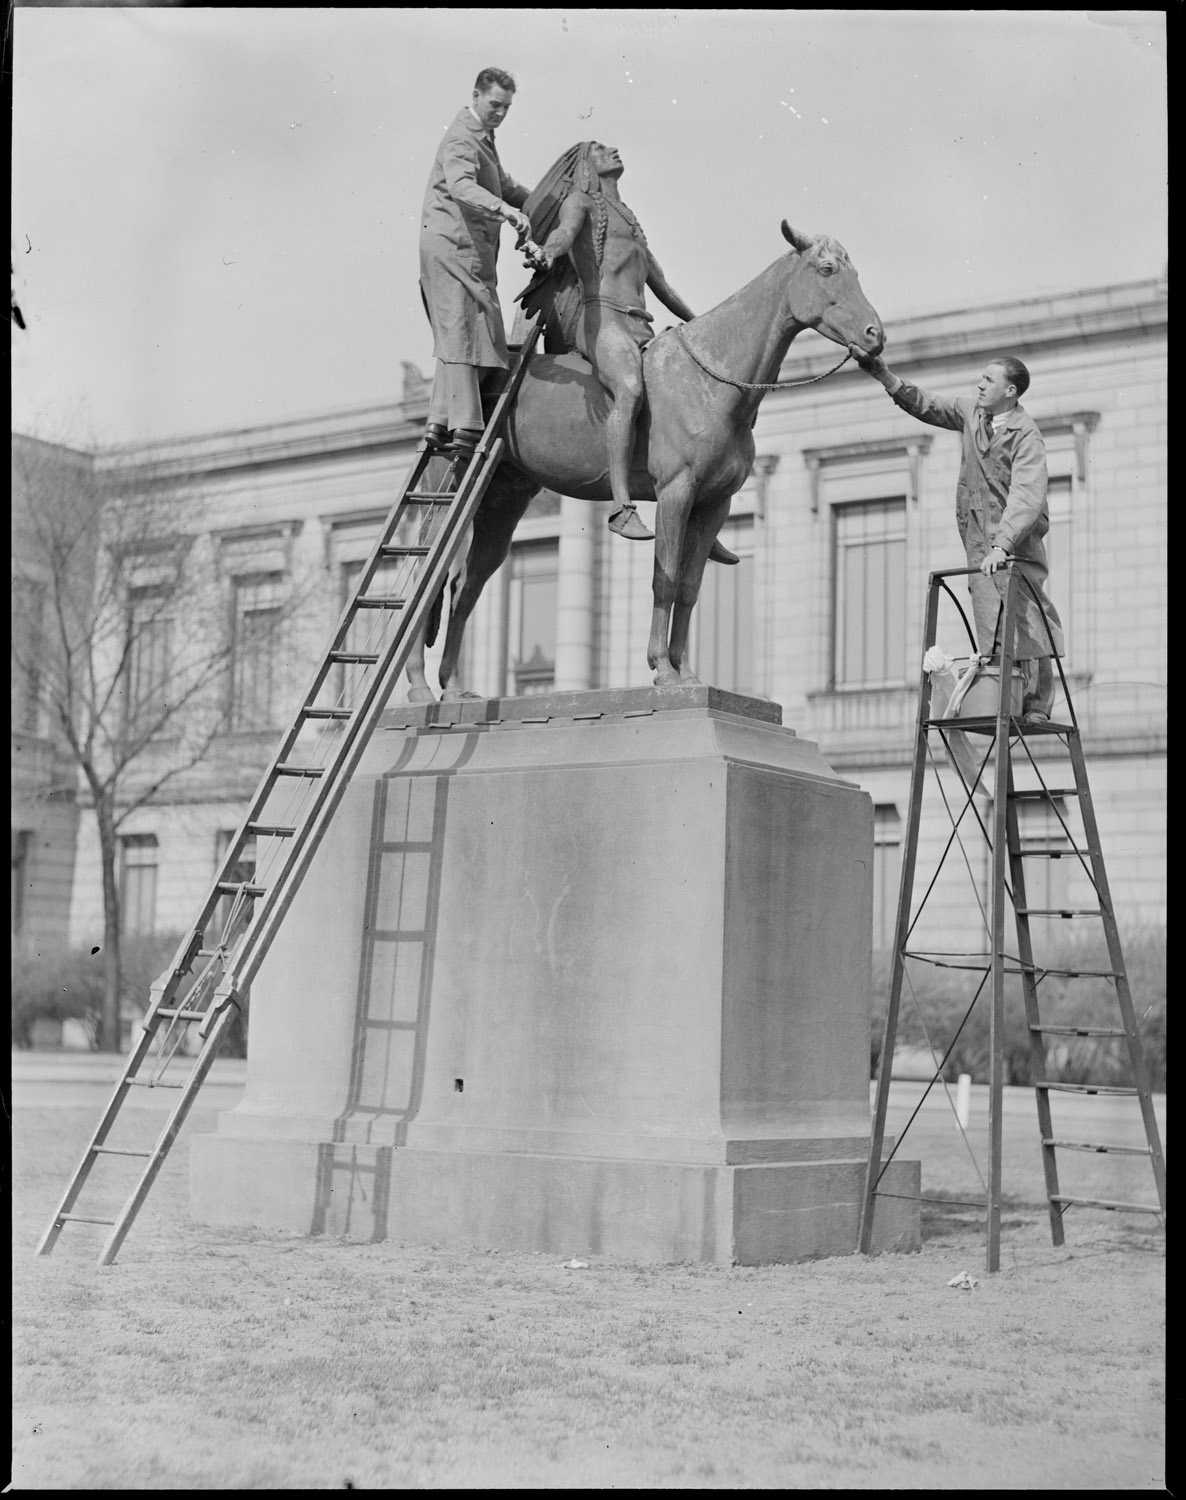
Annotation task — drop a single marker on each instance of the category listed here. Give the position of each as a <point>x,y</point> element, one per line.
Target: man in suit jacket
<point>1000,509</point>
<point>468,199</point>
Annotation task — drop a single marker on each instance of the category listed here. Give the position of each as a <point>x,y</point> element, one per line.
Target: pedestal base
<point>585,973</point>
<point>628,1210</point>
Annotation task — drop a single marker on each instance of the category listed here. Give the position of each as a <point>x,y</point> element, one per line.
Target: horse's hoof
<point>421,695</point>
<point>667,677</point>
<point>720,554</point>
<point>458,695</point>
<point>626,523</point>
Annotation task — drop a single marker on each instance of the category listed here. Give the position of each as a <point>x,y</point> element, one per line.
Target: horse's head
<point>824,293</point>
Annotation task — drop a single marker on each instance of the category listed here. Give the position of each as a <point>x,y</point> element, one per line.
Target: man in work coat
<point>1000,509</point>
<point>468,198</point>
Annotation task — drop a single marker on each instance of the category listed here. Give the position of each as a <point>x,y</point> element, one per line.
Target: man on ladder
<point>1000,509</point>
<point>468,198</point>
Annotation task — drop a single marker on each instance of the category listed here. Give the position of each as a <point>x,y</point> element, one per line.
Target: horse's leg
<point>419,690</point>
<point>671,520</point>
<point>500,512</point>
<point>706,520</point>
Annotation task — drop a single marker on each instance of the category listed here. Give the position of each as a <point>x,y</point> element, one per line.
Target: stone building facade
<point>849,507</point>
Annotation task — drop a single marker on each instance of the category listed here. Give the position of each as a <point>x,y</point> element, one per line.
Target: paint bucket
<point>984,694</point>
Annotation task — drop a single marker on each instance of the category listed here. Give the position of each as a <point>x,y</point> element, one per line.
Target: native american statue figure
<point>592,300</point>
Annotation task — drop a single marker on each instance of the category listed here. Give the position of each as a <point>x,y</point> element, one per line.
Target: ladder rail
<point>177,1116</point>
<point>257,911</point>
<point>1136,1047</point>
<point>901,936</point>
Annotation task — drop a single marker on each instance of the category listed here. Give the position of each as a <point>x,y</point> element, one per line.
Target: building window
<point>723,621</point>
<point>26,647</point>
<point>22,842</point>
<point>1060,584</point>
<point>258,610</point>
<point>887,869</point>
<point>869,616</point>
<point>1043,837</point>
<point>150,657</point>
<point>138,876</point>
<point>531,617</point>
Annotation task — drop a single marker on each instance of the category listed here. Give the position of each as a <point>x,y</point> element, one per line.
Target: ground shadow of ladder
<point>401,911</point>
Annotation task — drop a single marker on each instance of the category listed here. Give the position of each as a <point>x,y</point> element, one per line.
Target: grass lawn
<point>209,1359</point>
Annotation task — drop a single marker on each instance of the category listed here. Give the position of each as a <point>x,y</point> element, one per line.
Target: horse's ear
<point>801,242</point>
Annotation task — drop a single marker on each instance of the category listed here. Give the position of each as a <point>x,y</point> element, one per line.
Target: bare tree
<point>128,645</point>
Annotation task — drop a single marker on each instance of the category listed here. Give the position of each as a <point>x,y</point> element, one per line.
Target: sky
<point>215,211</point>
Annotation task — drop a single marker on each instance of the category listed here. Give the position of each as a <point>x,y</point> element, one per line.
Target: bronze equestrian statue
<point>693,443</point>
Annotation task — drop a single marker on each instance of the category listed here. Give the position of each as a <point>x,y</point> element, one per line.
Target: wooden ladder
<point>1008,738</point>
<point>295,801</point>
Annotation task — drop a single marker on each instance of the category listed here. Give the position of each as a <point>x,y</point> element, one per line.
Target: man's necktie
<point>984,431</point>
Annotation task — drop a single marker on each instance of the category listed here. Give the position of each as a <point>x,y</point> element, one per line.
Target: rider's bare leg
<point>619,368</point>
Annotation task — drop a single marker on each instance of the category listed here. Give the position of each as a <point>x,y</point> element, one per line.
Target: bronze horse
<point>694,446</point>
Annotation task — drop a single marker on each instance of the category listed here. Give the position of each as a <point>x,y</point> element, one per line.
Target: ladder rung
<point>1063,973</point>
<point>1059,911</point>
<point>379,601</point>
<point>271,830</point>
<point>181,1015</point>
<point>1050,728</point>
<point>233,887</point>
<point>398,549</point>
<point>287,768</point>
<point>355,658</point>
<point>1080,1030</point>
<point>208,953</point>
<point>149,1083</point>
<point>82,1219</point>
<point>1043,794</point>
<point>327,713</point>
<point>1096,1146</point>
<point>119,1151</point>
<point>1132,1208</point>
<point>1085,1088</point>
<point>429,497</point>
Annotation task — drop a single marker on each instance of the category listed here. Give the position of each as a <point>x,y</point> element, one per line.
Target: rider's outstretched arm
<point>563,237</point>
<point>665,292</point>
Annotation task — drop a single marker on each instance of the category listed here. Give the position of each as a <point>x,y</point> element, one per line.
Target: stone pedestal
<point>583,973</point>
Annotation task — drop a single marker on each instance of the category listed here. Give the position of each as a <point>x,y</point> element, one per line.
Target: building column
<point>574,595</point>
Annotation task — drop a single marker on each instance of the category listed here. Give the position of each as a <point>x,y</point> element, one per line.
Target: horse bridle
<point>755,385</point>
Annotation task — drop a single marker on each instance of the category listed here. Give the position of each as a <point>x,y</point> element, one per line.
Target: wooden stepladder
<point>295,802</point>
<point>1014,743</point>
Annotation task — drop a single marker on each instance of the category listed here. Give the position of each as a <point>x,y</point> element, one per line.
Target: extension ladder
<point>297,797</point>
<point>1008,737</point>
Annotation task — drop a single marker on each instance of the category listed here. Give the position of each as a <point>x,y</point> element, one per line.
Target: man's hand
<point>518,221</point>
<point>997,558</point>
<point>874,365</point>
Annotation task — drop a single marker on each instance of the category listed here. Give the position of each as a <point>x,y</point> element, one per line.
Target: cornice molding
<point>1135,309</point>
